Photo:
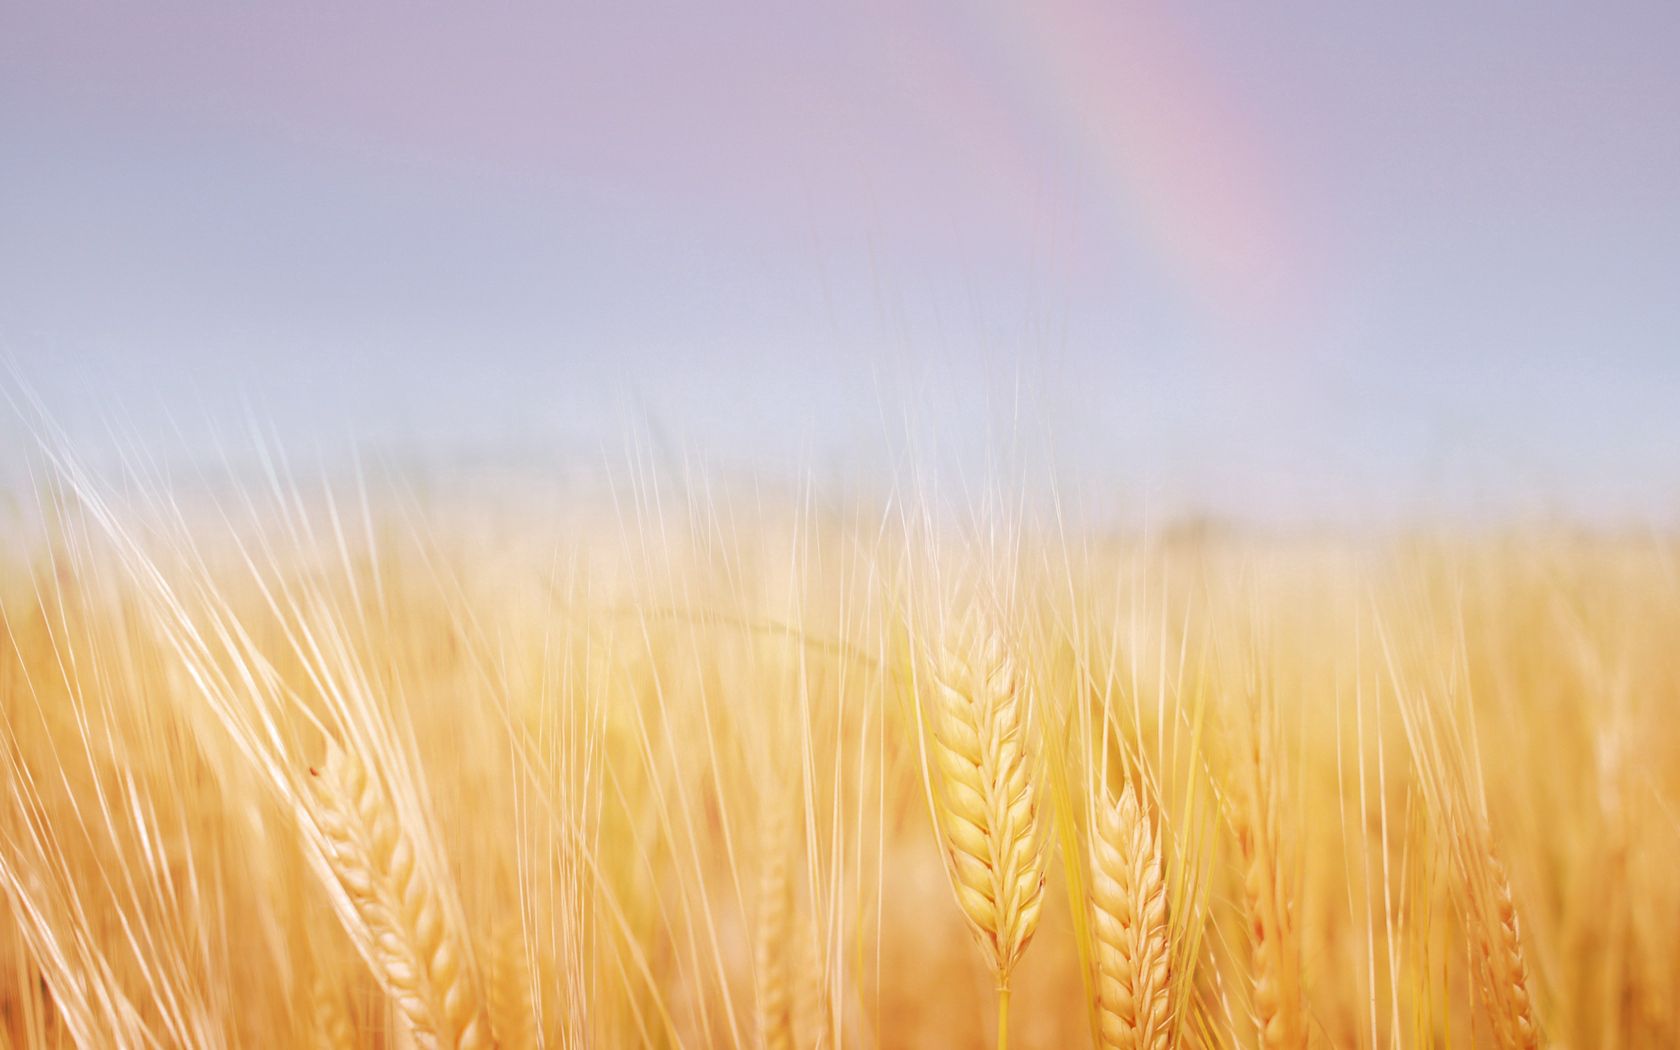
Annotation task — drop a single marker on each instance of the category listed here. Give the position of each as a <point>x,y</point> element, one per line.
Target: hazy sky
<point>1306,259</point>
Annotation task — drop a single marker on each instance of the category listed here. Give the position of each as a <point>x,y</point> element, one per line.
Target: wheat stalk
<point>988,815</point>
<point>419,963</point>
<point>1129,906</point>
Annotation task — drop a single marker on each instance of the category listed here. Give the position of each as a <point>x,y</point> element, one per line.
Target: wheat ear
<point>513,1016</point>
<point>813,1025</point>
<point>419,963</point>
<point>1504,970</point>
<point>772,933</point>
<point>330,1021</point>
<point>988,816</point>
<point>1129,911</point>
<point>1275,960</point>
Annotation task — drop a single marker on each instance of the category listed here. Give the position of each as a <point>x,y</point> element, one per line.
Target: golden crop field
<point>288,769</point>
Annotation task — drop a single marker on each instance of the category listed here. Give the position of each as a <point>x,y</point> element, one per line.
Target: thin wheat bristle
<point>989,814</point>
<point>1129,906</point>
<point>420,964</point>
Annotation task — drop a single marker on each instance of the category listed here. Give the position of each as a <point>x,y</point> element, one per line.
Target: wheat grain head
<point>988,813</point>
<point>772,932</point>
<point>1129,913</point>
<point>1275,954</point>
<point>1502,967</point>
<point>420,964</point>
<point>330,1021</point>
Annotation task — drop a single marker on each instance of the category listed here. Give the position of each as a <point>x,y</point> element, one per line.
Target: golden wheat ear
<point>1500,961</point>
<point>988,813</point>
<point>1129,913</point>
<point>811,1026</point>
<point>331,1026</point>
<point>419,963</point>
<point>772,933</point>
<point>1275,958</point>
<point>513,1014</point>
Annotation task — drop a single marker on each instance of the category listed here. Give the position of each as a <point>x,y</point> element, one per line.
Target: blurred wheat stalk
<point>300,779</point>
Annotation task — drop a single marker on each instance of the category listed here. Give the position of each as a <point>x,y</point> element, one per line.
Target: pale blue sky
<point>1289,261</point>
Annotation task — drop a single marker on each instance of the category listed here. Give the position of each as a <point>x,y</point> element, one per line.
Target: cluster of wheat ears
<point>289,768</point>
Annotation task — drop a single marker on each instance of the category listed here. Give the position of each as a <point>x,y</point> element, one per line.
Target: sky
<point>1294,262</point>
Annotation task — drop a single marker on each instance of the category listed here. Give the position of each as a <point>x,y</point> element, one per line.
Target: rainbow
<point>1142,125</point>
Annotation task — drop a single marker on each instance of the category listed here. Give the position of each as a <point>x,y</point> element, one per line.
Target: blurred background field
<point>624,742</point>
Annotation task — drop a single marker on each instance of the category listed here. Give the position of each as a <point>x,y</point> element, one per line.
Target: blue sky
<point>1301,262</point>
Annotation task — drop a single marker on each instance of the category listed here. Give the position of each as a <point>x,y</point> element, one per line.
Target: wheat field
<point>287,765</point>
